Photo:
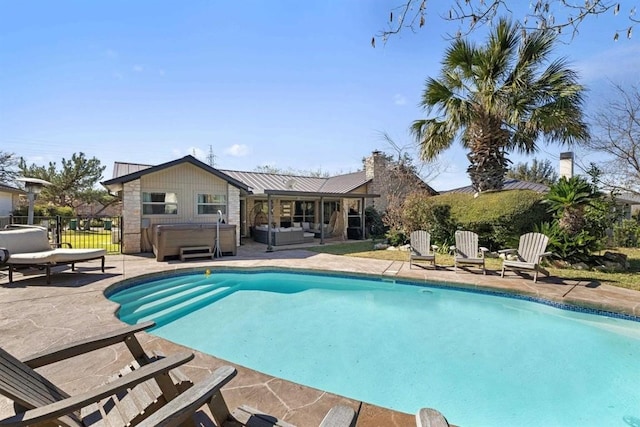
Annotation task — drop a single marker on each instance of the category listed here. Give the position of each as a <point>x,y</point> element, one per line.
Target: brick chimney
<point>566,164</point>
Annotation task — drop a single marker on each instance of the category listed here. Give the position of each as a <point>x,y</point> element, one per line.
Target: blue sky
<point>283,83</point>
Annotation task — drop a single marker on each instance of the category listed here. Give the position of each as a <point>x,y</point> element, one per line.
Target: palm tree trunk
<point>489,163</point>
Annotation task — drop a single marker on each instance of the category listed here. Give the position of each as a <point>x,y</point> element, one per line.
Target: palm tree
<point>497,98</point>
<point>567,199</point>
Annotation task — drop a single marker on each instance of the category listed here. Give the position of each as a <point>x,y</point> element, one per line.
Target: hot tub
<point>169,238</point>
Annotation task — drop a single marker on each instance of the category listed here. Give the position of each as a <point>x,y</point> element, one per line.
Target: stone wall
<point>131,227</point>
<point>233,211</point>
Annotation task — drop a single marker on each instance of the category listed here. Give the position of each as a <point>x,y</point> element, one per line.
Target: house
<point>181,191</point>
<point>509,184</point>
<point>9,199</point>
<point>187,190</point>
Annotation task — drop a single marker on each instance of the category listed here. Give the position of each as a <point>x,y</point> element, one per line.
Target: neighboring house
<point>509,184</point>
<point>9,199</point>
<point>629,203</point>
<point>188,190</point>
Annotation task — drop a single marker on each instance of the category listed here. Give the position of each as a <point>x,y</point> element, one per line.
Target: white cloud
<point>399,99</point>
<point>111,54</point>
<point>238,150</point>
<point>118,75</point>
<point>161,72</point>
<point>138,68</point>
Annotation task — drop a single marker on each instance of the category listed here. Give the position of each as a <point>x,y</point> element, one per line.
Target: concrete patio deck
<point>35,316</point>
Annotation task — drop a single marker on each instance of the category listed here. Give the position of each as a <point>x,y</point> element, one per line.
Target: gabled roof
<point>344,183</point>
<point>116,183</point>
<point>8,189</point>
<point>260,182</point>
<point>510,184</point>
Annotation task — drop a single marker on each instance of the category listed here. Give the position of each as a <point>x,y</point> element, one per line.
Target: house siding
<point>186,181</point>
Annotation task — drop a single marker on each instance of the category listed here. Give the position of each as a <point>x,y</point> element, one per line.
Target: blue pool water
<point>483,360</point>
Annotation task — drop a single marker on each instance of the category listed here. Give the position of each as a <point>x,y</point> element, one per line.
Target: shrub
<point>373,222</point>
<point>396,237</point>
<point>45,210</point>
<point>499,218</point>
<point>627,233</point>
<point>569,247</point>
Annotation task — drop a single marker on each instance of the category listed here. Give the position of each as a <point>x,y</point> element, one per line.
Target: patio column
<point>321,220</point>
<point>362,217</point>
<point>269,247</point>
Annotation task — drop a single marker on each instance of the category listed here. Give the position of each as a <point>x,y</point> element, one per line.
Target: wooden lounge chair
<point>466,250</point>
<point>421,250</point>
<point>149,393</point>
<point>531,250</point>
<point>178,410</point>
<point>427,417</point>
<point>146,386</point>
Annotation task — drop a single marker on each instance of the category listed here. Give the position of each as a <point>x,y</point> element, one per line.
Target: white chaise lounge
<point>29,247</point>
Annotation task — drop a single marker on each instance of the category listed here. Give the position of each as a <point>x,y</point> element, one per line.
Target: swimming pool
<point>481,359</point>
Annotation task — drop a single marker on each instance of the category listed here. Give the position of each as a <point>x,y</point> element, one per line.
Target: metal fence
<point>83,233</point>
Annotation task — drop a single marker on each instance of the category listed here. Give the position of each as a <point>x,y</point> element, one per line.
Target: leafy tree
<point>8,168</point>
<point>616,138</point>
<point>541,172</point>
<point>498,98</point>
<point>71,184</point>
<point>559,16</point>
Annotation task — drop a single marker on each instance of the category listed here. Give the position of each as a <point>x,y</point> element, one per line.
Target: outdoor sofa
<point>30,247</point>
<point>282,235</point>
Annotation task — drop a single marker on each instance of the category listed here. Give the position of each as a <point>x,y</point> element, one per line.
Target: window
<point>159,204</point>
<point>329,209</point>
<point>304,211</point>
<point>210,204</point>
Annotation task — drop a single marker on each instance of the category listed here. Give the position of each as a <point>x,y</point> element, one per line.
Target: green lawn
<point>629,279</point>
<point>81,239</point>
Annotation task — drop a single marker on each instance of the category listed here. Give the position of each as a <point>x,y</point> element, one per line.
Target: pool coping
<point>575,305</point>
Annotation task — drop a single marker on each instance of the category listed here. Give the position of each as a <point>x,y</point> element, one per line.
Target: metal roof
<point>259,182</point>
<point>116,183</point>
<point>344,183</point>
<point>510,184</point>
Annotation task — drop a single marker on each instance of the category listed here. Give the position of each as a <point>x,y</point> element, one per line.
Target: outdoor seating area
<point>29,247</point>
<point>531,250</point>
<point>282,235</point>
<point>466,251</point>
<point>421,248</point>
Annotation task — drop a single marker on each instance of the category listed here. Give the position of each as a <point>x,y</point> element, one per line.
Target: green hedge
<point>499,218</point>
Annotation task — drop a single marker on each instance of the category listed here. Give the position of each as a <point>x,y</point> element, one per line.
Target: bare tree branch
<point>616,137</point>
<point>562,16</point>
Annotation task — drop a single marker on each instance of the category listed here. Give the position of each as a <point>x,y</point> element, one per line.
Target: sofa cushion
<point>27,239</point>
<point>42,257</point>
<point>64,255</point>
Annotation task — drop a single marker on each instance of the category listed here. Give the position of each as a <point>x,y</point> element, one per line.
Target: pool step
<point>176,311</point>
<point>145,288</point>
<point>168,293</point>
<point>168,301</point>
